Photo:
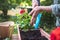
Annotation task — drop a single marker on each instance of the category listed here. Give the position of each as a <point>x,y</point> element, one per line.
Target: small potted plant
<point>26,31</point>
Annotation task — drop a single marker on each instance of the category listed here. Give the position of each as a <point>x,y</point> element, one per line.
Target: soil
<point>1,38</point>
<point>32,35</point>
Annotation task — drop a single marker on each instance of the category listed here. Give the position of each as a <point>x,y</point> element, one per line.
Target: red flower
<point>22,11</point>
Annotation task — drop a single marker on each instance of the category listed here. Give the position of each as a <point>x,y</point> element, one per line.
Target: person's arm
<point>38,9</point>
<point>56,9</point>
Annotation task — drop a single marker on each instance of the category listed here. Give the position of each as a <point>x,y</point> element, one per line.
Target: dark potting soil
<point>32,35</point>
<point>1,38</point>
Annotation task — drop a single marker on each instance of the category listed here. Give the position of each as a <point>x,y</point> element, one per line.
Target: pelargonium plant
<point>24,20</point>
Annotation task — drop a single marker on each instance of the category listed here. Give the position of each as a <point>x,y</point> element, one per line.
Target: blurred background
<point>9,9</point>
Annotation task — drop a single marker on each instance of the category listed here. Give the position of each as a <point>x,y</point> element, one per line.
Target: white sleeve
<point>56,9</point>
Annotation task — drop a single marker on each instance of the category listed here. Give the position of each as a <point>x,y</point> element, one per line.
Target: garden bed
<point>32,34</point>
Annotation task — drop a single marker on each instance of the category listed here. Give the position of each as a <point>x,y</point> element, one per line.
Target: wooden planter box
<point>37,35</point>
<point>6,29</point>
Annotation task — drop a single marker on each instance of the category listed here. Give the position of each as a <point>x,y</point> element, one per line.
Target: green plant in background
<point>26,3</point>
<point>24,21</point>
<point>15,29</point>
<point>46,2</point>
<point>48,19</point>
<point>5,5</point>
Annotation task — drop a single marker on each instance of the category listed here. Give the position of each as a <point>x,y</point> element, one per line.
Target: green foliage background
<point>47,20</point>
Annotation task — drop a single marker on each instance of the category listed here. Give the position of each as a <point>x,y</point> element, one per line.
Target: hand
<point>34,14</point>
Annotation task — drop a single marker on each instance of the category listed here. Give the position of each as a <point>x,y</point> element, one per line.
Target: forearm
<point>36,3</point>
<point>45,8</point>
